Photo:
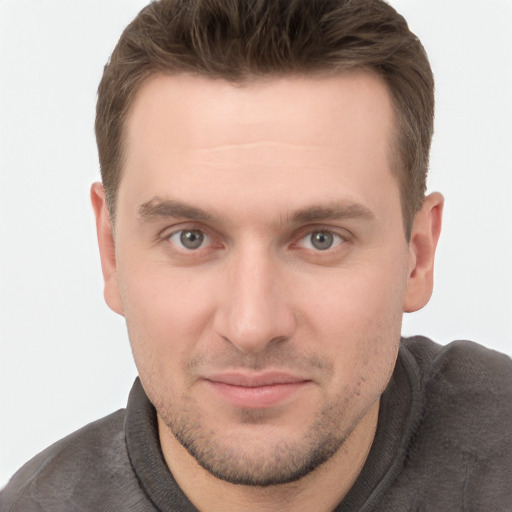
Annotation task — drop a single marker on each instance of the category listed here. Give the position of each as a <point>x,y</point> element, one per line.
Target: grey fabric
<point>443,444</point>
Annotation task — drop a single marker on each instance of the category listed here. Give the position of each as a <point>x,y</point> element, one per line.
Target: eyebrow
<point>158,207</point>
<point>161,208</point>
<point>335,211</point>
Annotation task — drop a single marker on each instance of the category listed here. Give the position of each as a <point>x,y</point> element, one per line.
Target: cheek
<point>357,322</point>
<point>167,314</point>
<point>358,301</point>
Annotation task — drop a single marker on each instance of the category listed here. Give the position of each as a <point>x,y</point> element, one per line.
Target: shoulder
<point>463,439</point>
<point>465,385</point>
<point>462,367</point>
<point>75,472</point>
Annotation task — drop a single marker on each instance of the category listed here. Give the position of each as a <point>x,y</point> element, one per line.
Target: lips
<point>256,391</point>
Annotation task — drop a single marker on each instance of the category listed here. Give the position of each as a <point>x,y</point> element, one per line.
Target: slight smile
<point>256,391</point>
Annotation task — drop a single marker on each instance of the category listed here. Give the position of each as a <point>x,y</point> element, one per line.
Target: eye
<point>189,239</point>
<point>321,240</point>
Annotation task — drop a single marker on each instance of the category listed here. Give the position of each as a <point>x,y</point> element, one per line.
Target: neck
<point>321,490</point>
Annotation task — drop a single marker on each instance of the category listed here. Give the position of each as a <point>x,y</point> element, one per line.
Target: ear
<point>422,249</point>
<point>106,245</point>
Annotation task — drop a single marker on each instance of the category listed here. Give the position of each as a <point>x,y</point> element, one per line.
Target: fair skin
<point>260,261</point>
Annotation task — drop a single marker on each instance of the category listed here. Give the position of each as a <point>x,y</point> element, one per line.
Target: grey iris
<point>322,240</point>
<point>191,239</point>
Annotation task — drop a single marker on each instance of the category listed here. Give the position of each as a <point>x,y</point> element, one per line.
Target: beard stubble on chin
<point>266,463</point>
<point>260,460</point>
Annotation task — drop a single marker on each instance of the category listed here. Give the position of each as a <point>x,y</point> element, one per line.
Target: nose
<point>255,307</point>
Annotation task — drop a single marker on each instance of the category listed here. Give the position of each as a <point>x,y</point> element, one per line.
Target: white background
<point>64,357</point>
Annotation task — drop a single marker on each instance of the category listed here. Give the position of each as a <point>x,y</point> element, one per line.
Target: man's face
<point>261,265</point>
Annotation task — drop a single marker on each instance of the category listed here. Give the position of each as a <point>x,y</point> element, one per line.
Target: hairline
<point>397,130</point>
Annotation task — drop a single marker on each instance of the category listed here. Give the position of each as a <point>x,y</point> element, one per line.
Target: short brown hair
<point>237,40</point>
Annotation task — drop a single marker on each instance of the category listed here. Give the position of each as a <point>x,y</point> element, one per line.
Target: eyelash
<point>303,238</point>
<point>336,240</point>
<point>180,232</point>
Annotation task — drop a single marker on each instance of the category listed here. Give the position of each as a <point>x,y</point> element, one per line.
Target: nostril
<point>257,356</point>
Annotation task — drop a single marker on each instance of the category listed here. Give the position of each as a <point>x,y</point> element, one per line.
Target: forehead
<point>317,105</point>
<point>293,134</point>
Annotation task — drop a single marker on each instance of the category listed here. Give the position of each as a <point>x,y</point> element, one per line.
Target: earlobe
<point>422,248</point>
<point>106,246</point>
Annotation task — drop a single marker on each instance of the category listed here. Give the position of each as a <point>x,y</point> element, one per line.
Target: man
<point>263,225</point>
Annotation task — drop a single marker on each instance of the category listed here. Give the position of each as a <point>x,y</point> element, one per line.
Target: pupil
<point>321,240</point>
<point>191,239</point>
